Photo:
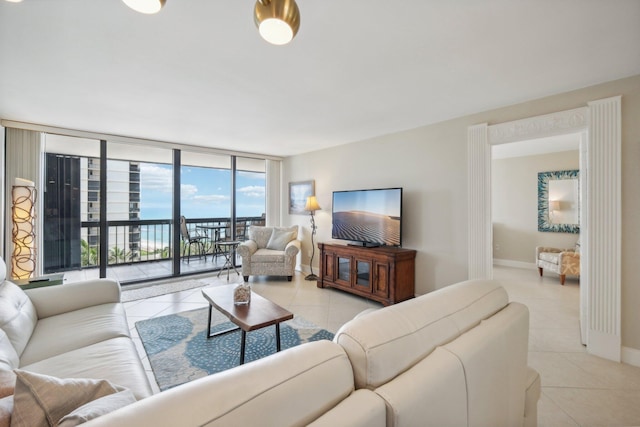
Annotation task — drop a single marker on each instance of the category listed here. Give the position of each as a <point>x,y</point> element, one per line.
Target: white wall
<point>431,164</point>
<point>515,205</point>
<point>433,176</point>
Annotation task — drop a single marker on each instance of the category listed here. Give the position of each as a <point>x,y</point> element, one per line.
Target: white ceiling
<point>198,72</point>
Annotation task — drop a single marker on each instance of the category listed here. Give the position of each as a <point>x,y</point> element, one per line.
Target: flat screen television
<point>368,217</point>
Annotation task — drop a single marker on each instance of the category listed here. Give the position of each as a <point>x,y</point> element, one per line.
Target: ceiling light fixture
<point>14,1</point>
<point>145,6</point>
<point>278,21</point>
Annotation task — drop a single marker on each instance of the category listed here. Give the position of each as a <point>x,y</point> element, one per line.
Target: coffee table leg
<point>243,343</point>
<point>277,336</point>
<point>209,322</point>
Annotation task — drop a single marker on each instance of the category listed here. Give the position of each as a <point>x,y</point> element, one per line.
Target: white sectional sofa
<point>75,330</point>
<point>454,357</point>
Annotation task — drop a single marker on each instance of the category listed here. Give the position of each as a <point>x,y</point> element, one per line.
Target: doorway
<point>600,126</point>
<point>516,205</point>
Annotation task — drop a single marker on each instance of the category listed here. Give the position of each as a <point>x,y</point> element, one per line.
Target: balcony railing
<point>137,241</point>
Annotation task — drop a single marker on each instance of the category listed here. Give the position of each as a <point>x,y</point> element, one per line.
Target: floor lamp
<point>23,259</point>
<point>311,207</point>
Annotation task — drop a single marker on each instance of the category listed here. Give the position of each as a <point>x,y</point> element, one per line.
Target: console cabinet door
<point>381,279</point>
<point>329,266</point>
<point>343,271</point>
<point>362,277</point>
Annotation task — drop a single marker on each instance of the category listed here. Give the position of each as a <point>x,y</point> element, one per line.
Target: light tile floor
<point>578,389</point>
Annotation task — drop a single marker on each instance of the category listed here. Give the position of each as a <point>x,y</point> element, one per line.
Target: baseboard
<point>631,356</point>
<point>514,264</point>
<point>304,269</point>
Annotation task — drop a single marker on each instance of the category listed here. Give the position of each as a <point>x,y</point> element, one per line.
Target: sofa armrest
<point>292,248</point>
<point>53,300</point>
<point>247,248</point>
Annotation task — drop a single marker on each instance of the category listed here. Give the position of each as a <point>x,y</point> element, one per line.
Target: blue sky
<point>205,192</point>
<point>384,202</point>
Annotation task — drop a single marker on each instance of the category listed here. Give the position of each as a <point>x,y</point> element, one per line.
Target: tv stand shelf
<point>385,274</point>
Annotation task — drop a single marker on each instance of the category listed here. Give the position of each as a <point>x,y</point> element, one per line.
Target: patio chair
<point>188,240</point>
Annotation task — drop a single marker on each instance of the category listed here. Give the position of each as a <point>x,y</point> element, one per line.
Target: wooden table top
<point>260,312</point>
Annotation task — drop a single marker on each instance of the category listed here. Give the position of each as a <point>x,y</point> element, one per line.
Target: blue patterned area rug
<point>179,350</point>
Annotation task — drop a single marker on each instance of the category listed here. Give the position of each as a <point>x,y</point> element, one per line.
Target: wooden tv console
<point>384,274</point>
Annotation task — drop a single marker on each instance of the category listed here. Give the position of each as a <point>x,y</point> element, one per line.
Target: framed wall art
<point>298,193</point>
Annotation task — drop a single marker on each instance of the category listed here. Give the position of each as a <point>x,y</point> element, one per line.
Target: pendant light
<point>278,21</point>
<point>145,6</point>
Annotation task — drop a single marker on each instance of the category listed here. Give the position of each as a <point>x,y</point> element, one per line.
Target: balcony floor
<point>151,270</point>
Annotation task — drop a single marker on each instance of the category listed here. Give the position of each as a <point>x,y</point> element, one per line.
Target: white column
<point>3,209</point>
<point>479,203</point>
<point>604,219</point>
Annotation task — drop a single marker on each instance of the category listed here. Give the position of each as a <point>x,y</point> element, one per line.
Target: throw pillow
<point>260,235</point>
<point>7,382</point>
<point>98,407</point>
<point>42,400</point>
<point>6,408</point>
<point>279,239</point>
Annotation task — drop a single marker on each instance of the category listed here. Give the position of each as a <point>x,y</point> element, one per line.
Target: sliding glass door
<point>205,204</point>
<point>137,212</point>
<point>139,200</point>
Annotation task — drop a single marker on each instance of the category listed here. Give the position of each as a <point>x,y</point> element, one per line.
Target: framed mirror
<point>559,201</point>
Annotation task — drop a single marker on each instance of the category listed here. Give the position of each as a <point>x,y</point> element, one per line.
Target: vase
<point>242,294</point>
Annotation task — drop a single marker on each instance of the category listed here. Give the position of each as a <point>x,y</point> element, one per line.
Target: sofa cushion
<point>293,387</point>
<point>8,356</point>
<point>261,234</point>
<point>433,391</point>
<point>76,329</point>
<point>45,400</point>
<point>279,239</point>
<point>267,256</point>
<point>493,357</point>
<point>115,360</point>
<point>18,316</point>
<point>387,342</point>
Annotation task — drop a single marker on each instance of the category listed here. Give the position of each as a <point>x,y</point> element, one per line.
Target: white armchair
<point>559,261</point>
<point>269,251</point>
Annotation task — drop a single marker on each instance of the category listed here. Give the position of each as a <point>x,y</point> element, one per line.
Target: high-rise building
<point>72,203</point>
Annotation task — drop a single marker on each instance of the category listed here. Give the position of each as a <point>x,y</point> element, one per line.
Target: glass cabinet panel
<point>363,274</point>
<point>344,269</point>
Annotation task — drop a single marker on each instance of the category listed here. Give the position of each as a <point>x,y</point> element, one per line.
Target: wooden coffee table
<point>259,313</point>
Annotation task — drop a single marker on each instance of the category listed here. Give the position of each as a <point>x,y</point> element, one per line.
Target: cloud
<point>156,178</point>
<point>211,198</point>
<point>188,191</point>
<point>252,191</point>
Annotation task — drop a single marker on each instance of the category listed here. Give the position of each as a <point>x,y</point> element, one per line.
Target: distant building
<point>72,203</point>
